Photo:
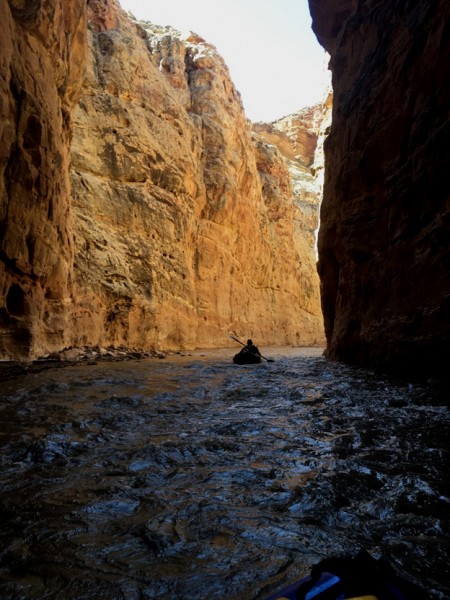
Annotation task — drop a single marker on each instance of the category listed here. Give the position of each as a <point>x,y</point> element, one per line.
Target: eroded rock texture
<point>384,237</point>
<point>42,51</point>
<point>138,207</point>
<point>186,227</point>
<point>299,139</point>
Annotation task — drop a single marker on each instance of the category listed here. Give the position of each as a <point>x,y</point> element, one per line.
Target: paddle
<point>242,344</point>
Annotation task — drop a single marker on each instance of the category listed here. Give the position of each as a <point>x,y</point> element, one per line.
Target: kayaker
<point>249,355</point>
<point>250,347</point>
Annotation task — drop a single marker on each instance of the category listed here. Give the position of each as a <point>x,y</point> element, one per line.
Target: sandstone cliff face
<point>181,225</point>
<point>185,226</point>
<point>299,139</point>
<point>296,135</point>
<point>42,53</point>
<point>383,243</point>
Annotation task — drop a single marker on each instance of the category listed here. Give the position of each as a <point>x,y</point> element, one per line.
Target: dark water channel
<point>192,478</point>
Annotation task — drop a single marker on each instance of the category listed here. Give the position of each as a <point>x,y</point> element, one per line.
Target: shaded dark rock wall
<point>384,256</point>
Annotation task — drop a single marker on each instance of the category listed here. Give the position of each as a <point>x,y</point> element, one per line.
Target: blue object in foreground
<point>325,584</point>
<point>362,577</point>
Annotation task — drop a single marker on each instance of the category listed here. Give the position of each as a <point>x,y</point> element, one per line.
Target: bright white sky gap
<point>275,60</point>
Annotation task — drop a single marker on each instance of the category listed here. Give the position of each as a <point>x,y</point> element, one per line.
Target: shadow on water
<point>194,478</point>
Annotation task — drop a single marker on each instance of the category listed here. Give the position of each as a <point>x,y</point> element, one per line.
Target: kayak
<point>246,358</point>
<point>360,578</point>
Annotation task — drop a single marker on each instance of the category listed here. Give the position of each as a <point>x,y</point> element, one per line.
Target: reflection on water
<point>194,478</point>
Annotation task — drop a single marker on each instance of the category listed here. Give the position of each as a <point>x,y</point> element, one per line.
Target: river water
<point>192,478</point>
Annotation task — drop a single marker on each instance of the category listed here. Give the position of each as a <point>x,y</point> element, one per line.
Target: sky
<point>274,58</point>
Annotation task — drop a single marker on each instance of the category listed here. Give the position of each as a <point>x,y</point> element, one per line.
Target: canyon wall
<point>384,254</point>
<point>299,139</point>
<point>138,207</point>
<point>187,224</point>
<point>42,54</point>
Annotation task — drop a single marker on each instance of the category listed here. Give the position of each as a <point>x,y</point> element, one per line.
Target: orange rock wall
<point>42,55</point>
<point>185,224</point>
<point>384,237</point>
<point>137,205</point>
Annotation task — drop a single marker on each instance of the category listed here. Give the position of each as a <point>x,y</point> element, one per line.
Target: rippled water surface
<point>192,478</point>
